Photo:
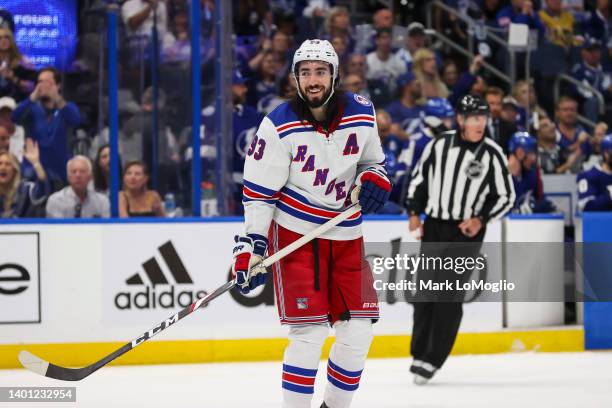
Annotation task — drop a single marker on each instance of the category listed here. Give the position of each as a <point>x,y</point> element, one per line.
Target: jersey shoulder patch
<point>358,105</point>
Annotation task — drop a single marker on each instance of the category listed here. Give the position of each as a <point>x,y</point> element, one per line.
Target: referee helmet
<point>472,105</point>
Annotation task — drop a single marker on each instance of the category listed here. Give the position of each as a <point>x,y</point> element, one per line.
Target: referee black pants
<point>437,314</point>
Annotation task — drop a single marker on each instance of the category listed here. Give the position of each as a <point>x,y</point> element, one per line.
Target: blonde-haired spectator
<point>19,197</point>
<point>425,68</point>
<point>15,74</point>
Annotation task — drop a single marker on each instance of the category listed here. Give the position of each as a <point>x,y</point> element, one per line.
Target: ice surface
<point>515,380</point>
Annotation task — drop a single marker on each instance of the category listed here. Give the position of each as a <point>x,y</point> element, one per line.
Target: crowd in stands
<point>54,151</point>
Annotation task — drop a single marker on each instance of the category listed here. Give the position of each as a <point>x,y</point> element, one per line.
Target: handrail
<point>466,53</point>
<point>510,79</point>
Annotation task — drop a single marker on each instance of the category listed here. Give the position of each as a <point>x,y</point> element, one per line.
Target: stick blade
<point>33,363</point>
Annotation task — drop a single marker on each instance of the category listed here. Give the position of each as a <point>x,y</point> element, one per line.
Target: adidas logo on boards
<point>168,298</point>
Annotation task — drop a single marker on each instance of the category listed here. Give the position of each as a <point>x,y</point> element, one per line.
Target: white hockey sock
<point>346,361</point>
<point>300,364</point>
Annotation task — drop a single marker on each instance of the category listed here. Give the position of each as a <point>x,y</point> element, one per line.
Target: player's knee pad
<point>314,334</point>
<point>354,333</point>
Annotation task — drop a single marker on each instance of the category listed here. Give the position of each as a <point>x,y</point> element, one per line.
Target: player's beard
<point>314,103</point>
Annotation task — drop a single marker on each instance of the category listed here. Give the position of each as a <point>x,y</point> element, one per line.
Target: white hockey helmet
<point>316,50</point>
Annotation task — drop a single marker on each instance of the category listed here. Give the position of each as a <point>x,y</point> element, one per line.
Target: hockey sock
<point>346,361</point>
<point>300,364</point>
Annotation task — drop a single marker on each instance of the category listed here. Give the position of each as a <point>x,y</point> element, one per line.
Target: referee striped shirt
<point>457,180</point>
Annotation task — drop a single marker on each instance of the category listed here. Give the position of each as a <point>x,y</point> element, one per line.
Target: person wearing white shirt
<point>382,63</point>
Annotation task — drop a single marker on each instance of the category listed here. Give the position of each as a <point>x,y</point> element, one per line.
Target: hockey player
<point>595,185</point>
<point>522,163</point>
<point>300,170</point>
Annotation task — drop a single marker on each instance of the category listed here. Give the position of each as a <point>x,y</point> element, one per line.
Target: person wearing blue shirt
<point>48,119</point>
<point>520,12</point>
<point>571,136</point>
<point>407,111</point>
<point>595,185</point>
<point>522,163</point>
<point>589,71</point>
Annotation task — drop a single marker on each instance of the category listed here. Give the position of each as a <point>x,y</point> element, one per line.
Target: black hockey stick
<point>47,369</point>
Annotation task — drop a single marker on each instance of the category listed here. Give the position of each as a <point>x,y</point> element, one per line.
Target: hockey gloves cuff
<point>375,190</point>
<point>247,256</point>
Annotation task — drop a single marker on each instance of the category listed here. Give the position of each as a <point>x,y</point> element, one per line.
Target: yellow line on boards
<point>209,351</point>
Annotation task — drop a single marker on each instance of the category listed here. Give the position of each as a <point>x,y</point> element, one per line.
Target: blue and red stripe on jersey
<point>304,126</point>
<point>298,206</point>
<point>299,379</point>
<point>255,192</point>
<point>341,378</point>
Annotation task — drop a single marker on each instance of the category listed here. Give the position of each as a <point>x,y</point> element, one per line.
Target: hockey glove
<point>247,254</point>
<point>374,191</point>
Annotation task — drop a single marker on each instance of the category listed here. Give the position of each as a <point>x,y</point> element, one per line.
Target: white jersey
<point>301,177</point>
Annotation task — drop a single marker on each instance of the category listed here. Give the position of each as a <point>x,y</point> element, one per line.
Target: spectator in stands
<point>340,44</point>
<point>519,12</point>
<point>383,64</point>
<point>551,158</point>
<point>571,136</point>
<point>76,200</point>
<point>559,24</point>
<point>510,111</point>
<point>595,185</point>
<point>383,19</point>
<point>356,84</point>
<point>18,197</point>
<point>498,129</point>
<point>15,132</point>
<point>338,24</point>
<point>16,77</point>
<point>522,163</point>
<point>590,72</point>
<point>101,170</point>
<point>525,95</point>
<point>178,50</point>
<point>279,44</point>
<point>48,118</point>
<point>469,82</point>
<point>245,120</point>
<point>138,17</point>
<point>393,146</point>
<point>409,109</point>
<point>138,141</point>
<point>316,8</point>
<point>450,73</point>
<point>595,158</point>
<point>425,68</point>
<point>263,86</point>
<point>357,65</point>
<point>135,200</point>
<point>415,40</point>
<point>598,23</point>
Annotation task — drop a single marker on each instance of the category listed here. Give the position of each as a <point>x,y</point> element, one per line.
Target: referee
<point>461,182</point>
